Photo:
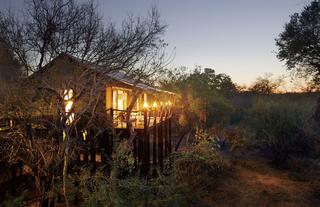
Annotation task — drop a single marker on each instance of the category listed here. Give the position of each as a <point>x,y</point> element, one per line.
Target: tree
<point>50,28</point>
<point>298,45</point>
<point>203,93</point>
<point>266,85</point>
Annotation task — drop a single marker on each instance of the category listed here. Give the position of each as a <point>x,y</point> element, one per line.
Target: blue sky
<point>235,37</point>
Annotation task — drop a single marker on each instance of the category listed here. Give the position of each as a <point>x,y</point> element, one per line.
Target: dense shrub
<point>200,166</point>
<point>196,168</point>
<point>11,201</point>
<point>99,190</point>
<point>219,111</point>
<point>280,127</point>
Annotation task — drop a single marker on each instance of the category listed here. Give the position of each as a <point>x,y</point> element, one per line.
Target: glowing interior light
<point>68,96</point>
<point>70,119</point>
<point>84,135</point>
<point>145,105</point>
<point>169,103</point>
<point>68,106</point>
<point>154,105</point>
<point>161,103</point>
<point>64,135</point>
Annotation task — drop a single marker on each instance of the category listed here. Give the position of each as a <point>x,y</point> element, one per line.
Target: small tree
<point>266,85</point>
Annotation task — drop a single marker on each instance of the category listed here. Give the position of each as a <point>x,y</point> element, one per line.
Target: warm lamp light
<point>145,105</point>
<point>70,119</point>
<point>68,96</point>
<point>154,105</point>
<point>68,106</point>
<point>84,135</point>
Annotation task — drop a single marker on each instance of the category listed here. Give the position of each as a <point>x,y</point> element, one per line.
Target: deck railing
<point>138,118</point>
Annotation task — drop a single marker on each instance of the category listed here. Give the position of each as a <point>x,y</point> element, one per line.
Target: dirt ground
<point>255,183</point>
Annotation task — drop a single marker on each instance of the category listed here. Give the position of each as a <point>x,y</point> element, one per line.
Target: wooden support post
<point>111,116</point>
<point>135,151</point>
<point>92,149</point>
<point>144,145</point>
<point>103,141</point>
<point>166,144</point>
<point>154,139</point>
<point>147,153</point>
<point>160,144</point>
<point>127,120</point>
<point>140,148</point>
<point>170,135</point>
<point>86,149</point>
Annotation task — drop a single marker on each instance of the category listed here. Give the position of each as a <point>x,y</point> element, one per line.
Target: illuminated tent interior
<point>118,89</point>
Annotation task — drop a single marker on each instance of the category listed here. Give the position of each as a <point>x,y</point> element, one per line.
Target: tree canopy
<point>266,84</point>
<point>49,28</point>
<point>299,43</point>
<point>203,92</point>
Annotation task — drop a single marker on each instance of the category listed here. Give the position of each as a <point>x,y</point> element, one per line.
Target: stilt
<point>160,144</point>
<point>154,140</point>
<point>170,136</point>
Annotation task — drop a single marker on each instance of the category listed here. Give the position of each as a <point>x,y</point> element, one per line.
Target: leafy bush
<point>196,168</point>
<point>228,138</point>
<point>124,163</point>
<point>279,126</point>
<point>200,166</point>
<point>11,201</point>
<point>99,190</point>
<point>220,110</point>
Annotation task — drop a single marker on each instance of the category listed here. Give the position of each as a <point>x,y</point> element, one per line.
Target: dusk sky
<point>235,37</point>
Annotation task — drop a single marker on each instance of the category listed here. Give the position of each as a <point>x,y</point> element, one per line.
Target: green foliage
<point>203,93</point>
<point>200,167</point>
<point>124,163</point>
<point>197,168</point>
<point>220,111</point>
<point>11,201</point>
<point>298,45</point>
<point>99,190</point>
<point>280,126</point>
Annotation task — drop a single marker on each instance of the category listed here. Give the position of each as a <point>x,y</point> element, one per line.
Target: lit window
<point>68,102</point>
<point>145,101</point>
<point>114,98</point>
<point>120,98</point>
